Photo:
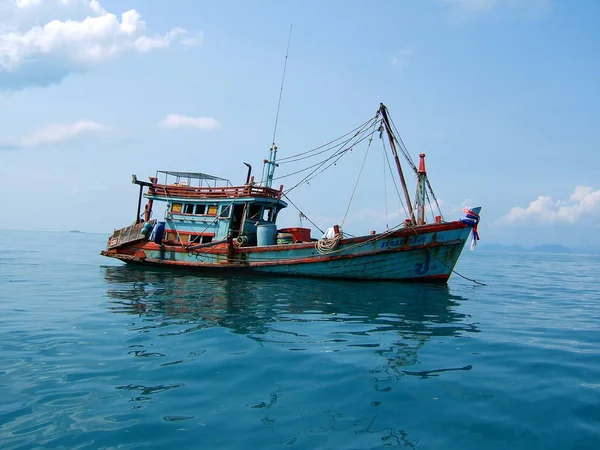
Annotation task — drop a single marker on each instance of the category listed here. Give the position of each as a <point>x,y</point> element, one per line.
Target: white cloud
<point>582,204</point>
<point>402,58</point>
<point>74,45</point>
<point>178,121</point>
<point>27,3</point>
<point>59,133</point>
<point>193,41</point>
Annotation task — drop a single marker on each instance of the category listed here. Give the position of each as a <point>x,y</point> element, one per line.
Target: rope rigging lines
<point>315,161</point>
<point>338,148</point>
<point>329,144</point>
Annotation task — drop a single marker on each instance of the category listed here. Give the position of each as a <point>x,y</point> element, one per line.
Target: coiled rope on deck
<point>326,245</point>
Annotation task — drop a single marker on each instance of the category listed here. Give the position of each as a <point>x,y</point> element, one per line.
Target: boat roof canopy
<point>192,175</point>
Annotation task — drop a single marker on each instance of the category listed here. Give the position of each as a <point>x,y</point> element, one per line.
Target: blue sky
<point>502,95</point>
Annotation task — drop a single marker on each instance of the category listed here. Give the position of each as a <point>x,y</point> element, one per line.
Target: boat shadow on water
<point>373,330</point>
<point>278,310</point>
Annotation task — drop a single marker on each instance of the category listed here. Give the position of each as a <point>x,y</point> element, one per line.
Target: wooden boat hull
<point>423,253</point>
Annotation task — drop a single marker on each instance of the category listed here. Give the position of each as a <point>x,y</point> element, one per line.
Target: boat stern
<point>125,237</point>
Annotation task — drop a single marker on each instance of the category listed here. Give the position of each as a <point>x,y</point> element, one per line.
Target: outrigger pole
<point>141,184</point>
<point>392,139</point>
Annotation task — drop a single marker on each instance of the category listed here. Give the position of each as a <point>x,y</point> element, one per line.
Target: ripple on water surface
<point>100,356</point>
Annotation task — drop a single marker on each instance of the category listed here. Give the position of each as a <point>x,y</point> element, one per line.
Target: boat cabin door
<point>236,220</point>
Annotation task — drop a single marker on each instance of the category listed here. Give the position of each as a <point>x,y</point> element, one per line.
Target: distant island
<point>551,248</point>
<point>75,231</point>
<point>544,248</point>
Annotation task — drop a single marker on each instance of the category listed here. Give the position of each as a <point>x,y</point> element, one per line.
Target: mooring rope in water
<point>469,279</point>
<point>445,265</point>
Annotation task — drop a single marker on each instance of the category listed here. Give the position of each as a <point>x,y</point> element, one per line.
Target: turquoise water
<point>96,354</point>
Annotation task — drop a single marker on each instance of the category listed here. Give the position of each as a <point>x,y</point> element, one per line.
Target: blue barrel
<point>266,234</point>
<point>159,231</point>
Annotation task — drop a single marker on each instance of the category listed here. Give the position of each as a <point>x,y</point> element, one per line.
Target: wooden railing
<point>173,191</point>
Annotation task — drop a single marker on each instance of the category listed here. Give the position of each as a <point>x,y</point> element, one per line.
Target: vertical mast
<point>392,139</point>
<point>273,150</point>
<point>271,164</point>
<point>421,192</point>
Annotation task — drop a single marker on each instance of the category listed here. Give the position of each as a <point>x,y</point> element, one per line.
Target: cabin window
<point>212,210</point>
<point>200,209</point>
<point>188,208</point>
<point>225,210</point>
<point>176,208</point>
<point>254,211</point>
<point>185,238</point>
<point>267,215</point>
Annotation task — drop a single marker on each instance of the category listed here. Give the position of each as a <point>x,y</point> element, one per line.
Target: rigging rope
<point>430,207</point>
<point>434,197</point>
<point>394,178</point>
<point>282,81</point>
<point>365,124</point>
<point>403,148</point>
<point>305,216</point>
<point>342,148</point>
<point>359,174</point>
<point>309,167</point>
<point>387,226</point>
<point>333,158</point>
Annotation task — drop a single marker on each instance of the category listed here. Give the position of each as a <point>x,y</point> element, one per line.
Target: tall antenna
<point>282,81</point>
<point>270,163</point>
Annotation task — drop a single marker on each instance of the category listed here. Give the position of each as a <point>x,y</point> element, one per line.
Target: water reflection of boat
<point>273,310</point>
<point>282,355</point>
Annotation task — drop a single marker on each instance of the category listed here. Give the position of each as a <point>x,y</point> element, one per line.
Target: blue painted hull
<point>422,253</point>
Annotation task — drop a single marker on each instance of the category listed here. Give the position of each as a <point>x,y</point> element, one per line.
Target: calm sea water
<point>96,354</point>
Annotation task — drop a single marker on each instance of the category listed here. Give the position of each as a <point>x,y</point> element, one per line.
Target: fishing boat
<point>212,226</point>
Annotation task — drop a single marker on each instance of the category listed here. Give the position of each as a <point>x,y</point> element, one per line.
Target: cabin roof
<point>193,175</point>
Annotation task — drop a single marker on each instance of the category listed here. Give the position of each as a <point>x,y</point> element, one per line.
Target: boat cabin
<point>202,208</point>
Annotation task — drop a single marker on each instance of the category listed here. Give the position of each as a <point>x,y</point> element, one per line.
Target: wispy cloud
<point>178,121</point>
<point>401,59</point>
<point>583,203</point>
<point>58,134</point>
<point>473,7</point>
<point>192,41</point>
<point>73,45</point>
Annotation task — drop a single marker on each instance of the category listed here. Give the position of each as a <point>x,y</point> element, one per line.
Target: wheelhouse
<point>202,208</point>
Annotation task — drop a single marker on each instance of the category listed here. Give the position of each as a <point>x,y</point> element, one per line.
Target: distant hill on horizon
<point>544,248</point>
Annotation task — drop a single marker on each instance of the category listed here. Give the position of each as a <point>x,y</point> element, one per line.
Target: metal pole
<point>391,138</point>
<point>139,207</point>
